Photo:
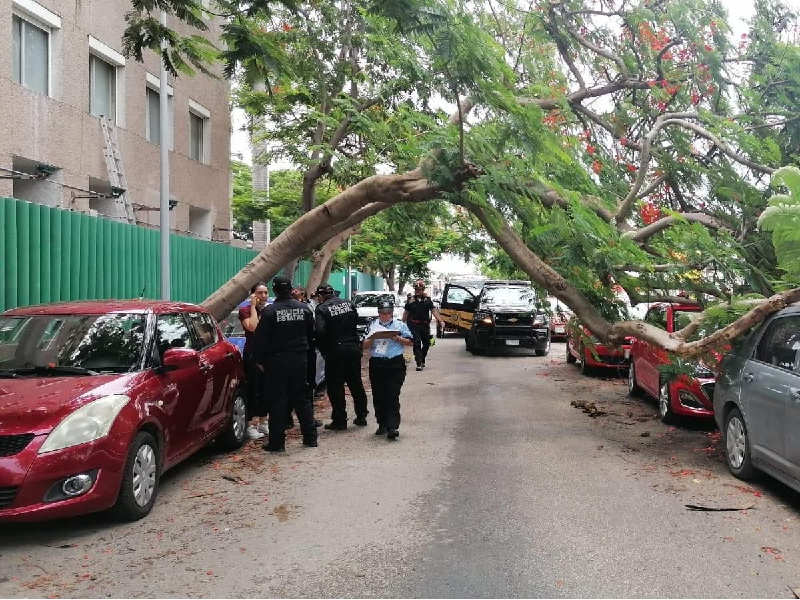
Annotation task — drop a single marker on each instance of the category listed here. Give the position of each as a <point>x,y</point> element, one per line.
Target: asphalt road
<point>497,487</point>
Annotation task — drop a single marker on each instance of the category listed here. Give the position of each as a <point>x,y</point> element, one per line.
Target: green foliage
<point>281,206</point>
<point>782,218</point>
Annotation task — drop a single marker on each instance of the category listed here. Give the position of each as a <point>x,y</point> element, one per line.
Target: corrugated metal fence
<point>49,255</point>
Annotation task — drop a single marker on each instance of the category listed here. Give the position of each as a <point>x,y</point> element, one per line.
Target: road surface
<point>497,487</point>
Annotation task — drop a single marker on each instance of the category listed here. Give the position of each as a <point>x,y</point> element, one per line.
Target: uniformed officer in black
<point>340,346</point>
<point>284,334</point>
<point>417,315</point>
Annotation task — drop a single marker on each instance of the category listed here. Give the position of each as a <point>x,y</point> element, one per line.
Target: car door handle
<point>748,377</point>
<point>206,367</point>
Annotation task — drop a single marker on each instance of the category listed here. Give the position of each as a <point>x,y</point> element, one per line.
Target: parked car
<point>595,356</point>
<point>690,396</point>
<point>366,304</point>
<point>100,398</point>
<point>757,401</point>
<point>502,314</point>
<point>559,318</point>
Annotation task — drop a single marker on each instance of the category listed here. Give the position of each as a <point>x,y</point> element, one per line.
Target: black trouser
<point>387,376</point>
<point>422,340</point>
<point>343,365</point>
<point>311,380</point>
<point>286,383</point>
<point>256,396</point>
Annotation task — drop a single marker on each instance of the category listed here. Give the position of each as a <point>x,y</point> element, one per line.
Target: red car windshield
<point>77,344</point>
<point>681,318</point>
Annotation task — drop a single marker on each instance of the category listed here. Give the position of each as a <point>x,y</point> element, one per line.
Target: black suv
<point>501,314</point>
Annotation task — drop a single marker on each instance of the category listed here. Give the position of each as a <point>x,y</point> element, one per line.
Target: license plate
<point>512,342</point>
<point>559,329</point>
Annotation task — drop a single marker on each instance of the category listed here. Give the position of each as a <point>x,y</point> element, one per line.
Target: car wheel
<point>737,446</point>
<point>139,488</point>
<point>634,391</point>
<point>546,350</point>
<point>585,368</point>
<point>570,358</point>
<point>234,435</point>
<point>665,405</point>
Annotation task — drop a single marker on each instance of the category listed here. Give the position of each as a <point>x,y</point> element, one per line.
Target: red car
<point>607,357</point>
<point>98,399</point>
<point>685,396</point>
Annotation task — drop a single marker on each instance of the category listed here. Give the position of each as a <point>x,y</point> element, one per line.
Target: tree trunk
<point>389,277</point>
<point>351,206</point>
<point>323,259</point>
<point>290,268</point>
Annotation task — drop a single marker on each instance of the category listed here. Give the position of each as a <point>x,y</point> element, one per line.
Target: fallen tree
<point>656,188</point>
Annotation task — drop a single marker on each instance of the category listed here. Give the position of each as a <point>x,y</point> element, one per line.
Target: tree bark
<point>352,205</point>
<point>323,258</point>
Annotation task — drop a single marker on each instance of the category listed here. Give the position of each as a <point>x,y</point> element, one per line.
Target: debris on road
<point>697,507</point>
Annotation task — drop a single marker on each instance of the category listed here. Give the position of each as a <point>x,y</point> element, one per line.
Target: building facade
<point>61,71</point>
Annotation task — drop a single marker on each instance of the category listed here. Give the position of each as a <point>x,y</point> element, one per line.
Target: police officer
<point>282,339</point>
<point>385,338</point>
<point>340,346</point>
<point>417,314</point>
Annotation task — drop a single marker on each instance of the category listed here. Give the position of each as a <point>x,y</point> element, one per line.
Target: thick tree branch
<point>645,233</point>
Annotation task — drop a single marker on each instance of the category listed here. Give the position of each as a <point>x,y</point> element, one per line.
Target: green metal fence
<point>51,255</point>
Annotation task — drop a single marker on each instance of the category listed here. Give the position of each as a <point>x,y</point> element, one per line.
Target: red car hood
<point>38,404</point>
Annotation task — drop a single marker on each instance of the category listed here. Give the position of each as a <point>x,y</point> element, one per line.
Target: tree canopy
<point>600,143</point>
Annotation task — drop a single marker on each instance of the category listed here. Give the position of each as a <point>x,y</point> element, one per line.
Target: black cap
<point>386,305</point>
<point>325,289</point>
<point>281,284</point>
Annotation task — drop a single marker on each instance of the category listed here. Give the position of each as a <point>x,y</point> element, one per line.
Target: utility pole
<point>164,128</point>
<point>349,283</point>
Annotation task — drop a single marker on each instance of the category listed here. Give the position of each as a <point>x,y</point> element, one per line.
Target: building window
<point>201,222</point>
<point>102,88</point>
<point>153,116</point>
<point>30,46</point>
<point>196,137</point>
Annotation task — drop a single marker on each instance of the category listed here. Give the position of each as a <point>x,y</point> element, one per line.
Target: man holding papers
<point>385,338</point>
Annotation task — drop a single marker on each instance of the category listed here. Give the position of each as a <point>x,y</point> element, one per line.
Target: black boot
<point>310,443</point>
<point>336,426</point>
<point>393,434</point>
<point>360,421</point>
<point>270,448</point>
<point>381,430</point>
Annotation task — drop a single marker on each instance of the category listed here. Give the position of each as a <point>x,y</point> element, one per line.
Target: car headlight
<point>539,320</point>
<point>484,317</point>
<point>88,423</point>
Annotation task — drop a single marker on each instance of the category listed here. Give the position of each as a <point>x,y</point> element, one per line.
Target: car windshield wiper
<point>50,370</point>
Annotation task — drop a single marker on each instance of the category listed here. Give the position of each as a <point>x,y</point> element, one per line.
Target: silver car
<point>757,401</point>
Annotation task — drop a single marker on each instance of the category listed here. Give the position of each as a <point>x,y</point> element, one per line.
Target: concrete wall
<point>59,130</point>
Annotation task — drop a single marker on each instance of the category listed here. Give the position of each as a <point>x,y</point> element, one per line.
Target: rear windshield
<point>373,300</point>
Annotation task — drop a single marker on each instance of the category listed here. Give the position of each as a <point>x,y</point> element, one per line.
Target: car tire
<point>665,404</point>
<point>546,350</point>
<point>586,369</point>
<point>570,358</point>
<point>634,390</point>
<point>140,479</point>
<point>737,446</point>
<point>235,432</point>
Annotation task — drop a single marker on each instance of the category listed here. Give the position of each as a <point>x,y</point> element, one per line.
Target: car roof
<point>100,307</point>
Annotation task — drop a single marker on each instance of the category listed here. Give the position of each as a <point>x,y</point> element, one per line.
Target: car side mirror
<point>179,358</point>
<point>469,304</point>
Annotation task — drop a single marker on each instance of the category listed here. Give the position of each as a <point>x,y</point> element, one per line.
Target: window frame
<point>661,311</point>
<point>199,111</point>
<point>153,84</point>
<point>201,154</point>
<point>766,336</point>
<point>186,323</point>
<point>114,94</point>
<point>27,20</point>
<point>190,318</point>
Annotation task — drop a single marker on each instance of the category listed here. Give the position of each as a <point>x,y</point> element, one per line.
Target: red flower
<point>662,106</point>
<point>709,48</point>
<point>597,166</point>
<point>631,168</point>
<point>590,149</point>
<point>286,27</point>
<point>696,98</point>
<point>623,141</point>
<point>711,89</point>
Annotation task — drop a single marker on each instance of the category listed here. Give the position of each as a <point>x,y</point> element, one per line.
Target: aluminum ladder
<point>116,174</point>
